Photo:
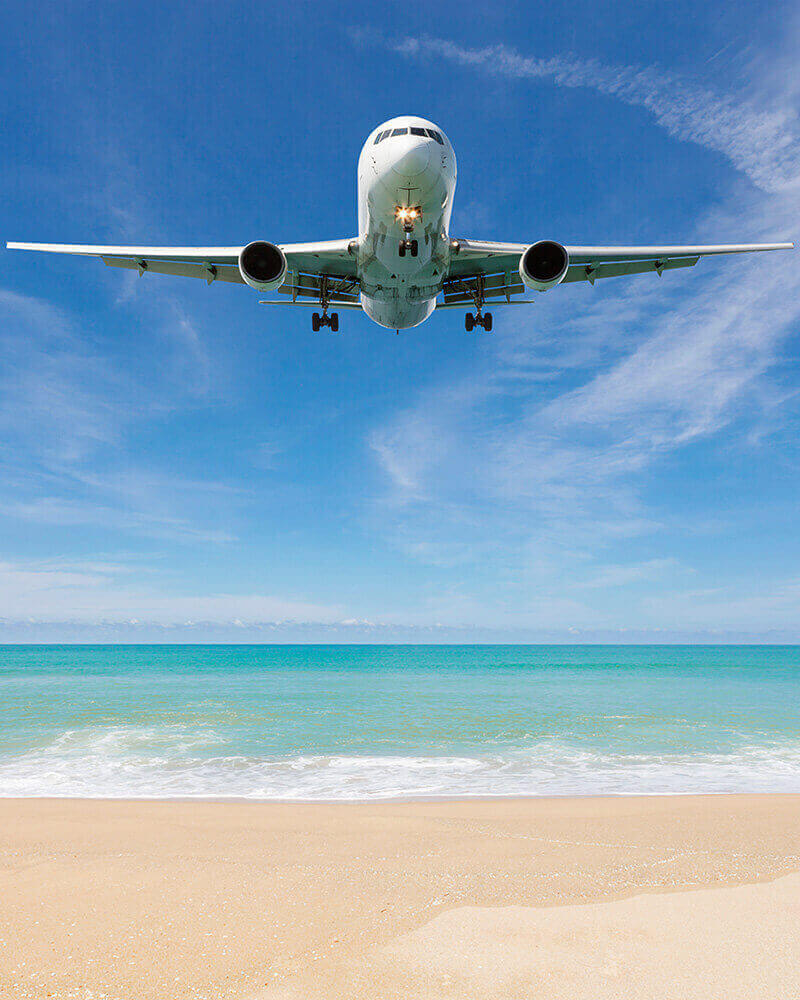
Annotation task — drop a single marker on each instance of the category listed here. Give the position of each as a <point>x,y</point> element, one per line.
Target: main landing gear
<point>325,320</point>
<point>477,290</point>
<point>478,319</point>
<point>325,293</point>
<point>408,245</point>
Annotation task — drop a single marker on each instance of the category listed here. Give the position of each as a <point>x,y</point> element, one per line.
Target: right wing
<point>308,264</point>
<point>495,266</point>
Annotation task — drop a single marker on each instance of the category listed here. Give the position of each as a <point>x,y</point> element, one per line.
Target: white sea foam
<point>131,762</point>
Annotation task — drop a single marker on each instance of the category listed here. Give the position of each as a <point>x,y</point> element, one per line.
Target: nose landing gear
<point>410,245</point>
<point>478,319</point>
<point>407,217</point>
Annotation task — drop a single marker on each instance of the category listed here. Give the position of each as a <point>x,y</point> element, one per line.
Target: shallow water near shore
<point>369,722</point>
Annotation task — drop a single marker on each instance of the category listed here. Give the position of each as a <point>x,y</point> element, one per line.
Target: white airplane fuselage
<point>406,184</point>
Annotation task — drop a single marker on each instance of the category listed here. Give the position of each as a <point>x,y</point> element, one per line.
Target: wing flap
<point>209,271</point>
<point>591,272</point>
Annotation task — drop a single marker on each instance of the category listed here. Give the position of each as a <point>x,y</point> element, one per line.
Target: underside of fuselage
<point>406,183</point>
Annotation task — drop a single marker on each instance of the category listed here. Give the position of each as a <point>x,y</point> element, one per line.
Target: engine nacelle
<point>543,265</point>
<point>262,266</point>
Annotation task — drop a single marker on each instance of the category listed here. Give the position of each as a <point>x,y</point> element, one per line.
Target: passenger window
<point>399,131</point>
<point>418,131</point>
<point>436,136</point>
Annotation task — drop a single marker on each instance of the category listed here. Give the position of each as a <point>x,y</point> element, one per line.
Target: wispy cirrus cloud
<point>67,411</point>
<point>759,138</point>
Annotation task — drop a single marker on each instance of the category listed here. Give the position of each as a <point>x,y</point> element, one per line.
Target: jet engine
<point>262,266</point>
<point>543,265</point>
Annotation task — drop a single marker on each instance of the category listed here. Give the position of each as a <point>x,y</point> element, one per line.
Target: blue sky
<point>619,463</point>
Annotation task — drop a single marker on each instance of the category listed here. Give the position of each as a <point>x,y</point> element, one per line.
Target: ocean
<point>386,722</point>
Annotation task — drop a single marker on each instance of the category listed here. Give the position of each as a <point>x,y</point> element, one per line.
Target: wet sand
<point>651,897</point>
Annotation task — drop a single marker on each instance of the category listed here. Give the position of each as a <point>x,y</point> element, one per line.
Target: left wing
<point>308,264</point>
<point>496,265</point>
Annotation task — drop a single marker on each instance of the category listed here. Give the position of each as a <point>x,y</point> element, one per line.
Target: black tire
<point>414,248</point>
<point>334,322</point>
<point>469,322</point>
<point>487,322</point>
<point>315,322</point>
<point>402,249</point>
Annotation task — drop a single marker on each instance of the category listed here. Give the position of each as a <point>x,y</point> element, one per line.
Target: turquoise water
<point>360,722</point>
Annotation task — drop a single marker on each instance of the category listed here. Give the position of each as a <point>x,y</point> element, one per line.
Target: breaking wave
<point>177,762</point>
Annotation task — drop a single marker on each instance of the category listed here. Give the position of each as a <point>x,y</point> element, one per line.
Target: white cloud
<point>89,591</point>
<point>759,140</point>
<point>622,576</point>
<point>58,399</point>
<point>66,412</point>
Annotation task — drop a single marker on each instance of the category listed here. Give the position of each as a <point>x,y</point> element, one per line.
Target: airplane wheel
<point>487,322</point>
<point>414,248</point>
<point>315,322</point>
<point>334,322</point>
<point>402,248</point>
<point>469,322</point>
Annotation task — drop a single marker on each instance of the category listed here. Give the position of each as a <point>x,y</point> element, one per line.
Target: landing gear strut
<point>479,317</point>
<point>318,321</point>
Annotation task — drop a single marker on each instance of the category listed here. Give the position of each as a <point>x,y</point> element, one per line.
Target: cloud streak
<point>760,140</point>
<point>83,592</point>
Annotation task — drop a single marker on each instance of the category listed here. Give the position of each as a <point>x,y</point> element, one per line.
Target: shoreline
<point>251,900</point>
<point>404,800</point>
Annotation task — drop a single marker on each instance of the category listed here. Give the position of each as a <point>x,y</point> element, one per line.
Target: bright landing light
<point>406,214</point>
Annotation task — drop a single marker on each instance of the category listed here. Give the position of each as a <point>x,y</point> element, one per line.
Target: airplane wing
<point>308,264</point>
<point>496,265</point>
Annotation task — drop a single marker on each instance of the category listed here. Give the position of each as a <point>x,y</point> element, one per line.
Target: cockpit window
<point>378,138</point>
<point>435,135</point>
<point>418,131</point>
<point>399,131</point>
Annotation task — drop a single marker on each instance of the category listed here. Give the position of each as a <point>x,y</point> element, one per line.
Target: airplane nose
<point>414,161</point>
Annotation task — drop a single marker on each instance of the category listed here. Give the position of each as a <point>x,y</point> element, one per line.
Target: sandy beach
<point>636,897</point>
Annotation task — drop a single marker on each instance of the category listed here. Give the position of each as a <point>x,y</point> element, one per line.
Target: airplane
<point>404,257</point>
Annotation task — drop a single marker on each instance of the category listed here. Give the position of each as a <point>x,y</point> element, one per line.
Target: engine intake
<point>543,265</point>
<point>262,266</point>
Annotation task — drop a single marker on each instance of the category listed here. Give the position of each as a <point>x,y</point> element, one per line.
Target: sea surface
<point>384,722</point>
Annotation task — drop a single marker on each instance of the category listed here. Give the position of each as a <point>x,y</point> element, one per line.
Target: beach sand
<point>656,897</point>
